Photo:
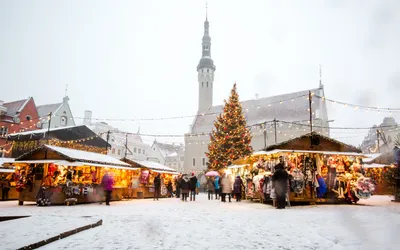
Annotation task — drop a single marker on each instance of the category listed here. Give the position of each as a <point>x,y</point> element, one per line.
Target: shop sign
<point>144,176</point>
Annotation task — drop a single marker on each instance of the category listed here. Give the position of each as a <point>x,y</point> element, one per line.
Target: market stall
<point>51,175</point>
<point>142,186</point>
<point>321,169</point>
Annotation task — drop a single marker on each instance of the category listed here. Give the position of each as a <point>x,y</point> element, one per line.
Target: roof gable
<point>325,143</point>
<point>45,110</point>
<point>13,108</point>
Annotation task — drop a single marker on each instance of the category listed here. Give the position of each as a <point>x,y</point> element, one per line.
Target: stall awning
<point>36,161</point>
<point>6,161</point>
<point>7,170</point>
<point>165,172</point>
<point>236,166</point>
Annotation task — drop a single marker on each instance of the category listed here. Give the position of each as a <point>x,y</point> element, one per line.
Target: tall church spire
<point>205,70</point>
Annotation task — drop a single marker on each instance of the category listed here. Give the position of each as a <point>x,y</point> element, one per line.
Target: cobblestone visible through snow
<point>172,224</point>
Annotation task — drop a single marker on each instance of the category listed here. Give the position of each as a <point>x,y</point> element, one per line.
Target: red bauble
<point>227,137</point>
<point>225,128</point>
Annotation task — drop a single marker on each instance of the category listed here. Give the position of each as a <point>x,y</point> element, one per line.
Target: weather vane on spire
<point>320,76</point>
<point>66,90</point>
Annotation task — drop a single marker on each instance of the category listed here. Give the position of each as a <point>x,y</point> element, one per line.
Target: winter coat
<point>321,190</point>
<point>226,184</point>
<point>157,181</point>
<point>280,179</point>
<point>193,183</point>
<point>185,184</point>
<point>238,185</point>
<point>210,185</point>
<point>108,182</point>
<point>216,183</point>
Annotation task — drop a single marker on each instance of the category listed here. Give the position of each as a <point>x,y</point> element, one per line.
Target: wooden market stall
<point>315,163</point>
<point>54,174</point>
<point>142,186</point>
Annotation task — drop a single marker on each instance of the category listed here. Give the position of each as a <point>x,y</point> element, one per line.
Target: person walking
<point>157,186</point>
<point>108,184</point>
<point>226,187</point>
<point>238,188</point>
<point>170,189</point>
<point>279,181</point>
<point>210,188</point>
<point>193,186</point>
<point>5,188</point>
<point>217,187</point>
<point>185,187</point>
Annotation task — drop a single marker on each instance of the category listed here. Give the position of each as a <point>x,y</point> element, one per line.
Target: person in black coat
<point>193,185</point>
<point>279,182</point>
<point>238,186</point>
<point>178,186</point>
<point>185,187</point>
<point>157,186</point>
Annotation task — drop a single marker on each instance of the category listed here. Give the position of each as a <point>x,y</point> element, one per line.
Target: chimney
<point>87,119</point>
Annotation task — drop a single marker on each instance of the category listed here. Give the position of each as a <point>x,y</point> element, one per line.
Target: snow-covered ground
<point>172,224</point>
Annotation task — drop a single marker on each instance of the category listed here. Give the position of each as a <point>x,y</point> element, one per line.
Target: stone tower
<point>205,70</point>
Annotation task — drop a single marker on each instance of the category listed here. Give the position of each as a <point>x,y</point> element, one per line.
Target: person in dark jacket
<point>238,188</point>
<point>193,185</point>
<point>178,186</point>
<point>185,187</point>
<point>157,186</point>
<point>279,182</point>
<point>5,188</point>
<point>210,188</point>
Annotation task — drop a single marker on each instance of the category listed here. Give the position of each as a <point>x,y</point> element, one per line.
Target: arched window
<point>208,70</point>
<point>207,84</point>
<point>202,84</point>
<point>28,117</point>
<point>64,121</point>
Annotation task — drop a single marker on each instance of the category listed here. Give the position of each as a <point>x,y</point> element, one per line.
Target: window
<point>182,158</point>
<point>202,84</point>
<point>144,152</point>
<point>113,150</point>
<point>208,70</point>
<point>207,84</point>
<point>134,150</point>
<point>28,117</point>
<point>194,162</point>
<point>64,121</point>
<point>139,151</point>
<point>3,131</point>
<point>204,161</point>
<point>119,151</point>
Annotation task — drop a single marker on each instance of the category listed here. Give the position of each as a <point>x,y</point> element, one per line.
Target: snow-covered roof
<point>371,157</point>
<point>173,155</point>
<point>7,170</point>
<point>236,166</point>
<point>42,131</point>
<point>276,151</point>
<point>14,107</point>
<point>6,160</point>
<point>260,110</point>
<point>44,110</point>
<point>374,165</point>
<point>167,149</point>
<point>78,155</point>
<point>157,167</point>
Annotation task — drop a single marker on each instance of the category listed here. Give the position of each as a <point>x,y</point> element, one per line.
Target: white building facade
<point>170,155</point>
<point>291,113</point>
<point>61,114</point>
<point>122,143</point>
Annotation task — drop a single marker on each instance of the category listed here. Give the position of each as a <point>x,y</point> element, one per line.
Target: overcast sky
<point>137,59</point>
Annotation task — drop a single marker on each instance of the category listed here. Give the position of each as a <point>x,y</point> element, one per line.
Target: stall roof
<point>77,156</point>
<point>7,170</point>
<point>371,157</point>
<point>236,166</point>
<point>63,134</point>
<point>296,142</point>
<point>375,165</point>
<point>75,164</point>
<point>276,151</point>
<point>151,165</point>
<point>6,160</point>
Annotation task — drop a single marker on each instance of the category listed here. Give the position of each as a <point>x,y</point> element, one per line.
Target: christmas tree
<point>230,139</point>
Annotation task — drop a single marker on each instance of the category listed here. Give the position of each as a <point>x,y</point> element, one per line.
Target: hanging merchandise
<point>164,190</point>
<point>298,182</point>
<point>364,188</point>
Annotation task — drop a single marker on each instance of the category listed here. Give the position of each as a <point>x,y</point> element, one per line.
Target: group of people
<point>186,186</point>
<point>223,187</point>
